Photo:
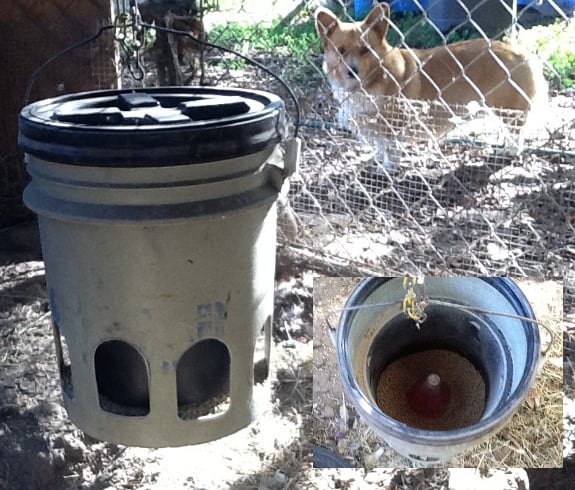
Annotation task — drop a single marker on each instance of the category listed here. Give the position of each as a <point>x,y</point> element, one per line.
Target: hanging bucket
<point>157,217</point>
<point>435,391</point>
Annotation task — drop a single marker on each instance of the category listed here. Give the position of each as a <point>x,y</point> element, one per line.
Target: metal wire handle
<point>428,301</point>
<point>499,313</point>
<point>65,51</point>
<point>242,56</point>
<point>136,26</point>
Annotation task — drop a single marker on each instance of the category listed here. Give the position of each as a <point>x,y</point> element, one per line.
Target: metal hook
<point>136,67</point>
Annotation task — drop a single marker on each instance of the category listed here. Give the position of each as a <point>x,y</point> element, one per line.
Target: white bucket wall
<point>145,285</point>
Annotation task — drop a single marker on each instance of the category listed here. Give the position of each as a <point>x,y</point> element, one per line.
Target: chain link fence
<point>391,184</point>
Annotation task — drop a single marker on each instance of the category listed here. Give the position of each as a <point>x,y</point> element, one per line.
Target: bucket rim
<point>434,438</point>
<point>228,122</point>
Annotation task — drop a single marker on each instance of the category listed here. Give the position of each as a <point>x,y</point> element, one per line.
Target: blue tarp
<point>362,7</point>
<point>545,7</point>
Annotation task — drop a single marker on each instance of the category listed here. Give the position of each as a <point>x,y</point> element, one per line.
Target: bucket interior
<point>446,329</point>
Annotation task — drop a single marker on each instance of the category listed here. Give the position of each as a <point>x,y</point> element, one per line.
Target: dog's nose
<point>352,71</point>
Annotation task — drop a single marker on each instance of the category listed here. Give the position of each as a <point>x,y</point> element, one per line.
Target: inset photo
<point>438,371</point>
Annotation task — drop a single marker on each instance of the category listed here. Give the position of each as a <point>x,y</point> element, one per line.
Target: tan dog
<point>358,55</point>
<point>453,82</point>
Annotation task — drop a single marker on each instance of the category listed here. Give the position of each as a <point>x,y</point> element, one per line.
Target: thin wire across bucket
<point>426,301</point>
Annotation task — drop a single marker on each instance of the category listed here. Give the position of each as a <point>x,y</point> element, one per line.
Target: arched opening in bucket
<point>64,363</point>
<point>203,380</point>
<point>466,352</point>
<point>262,353</point>
<point>122,379</point>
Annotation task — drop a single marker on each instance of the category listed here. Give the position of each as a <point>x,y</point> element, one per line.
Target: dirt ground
<point>336,423</point>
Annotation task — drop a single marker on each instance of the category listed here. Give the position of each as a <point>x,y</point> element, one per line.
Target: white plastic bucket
<point>158,226</point>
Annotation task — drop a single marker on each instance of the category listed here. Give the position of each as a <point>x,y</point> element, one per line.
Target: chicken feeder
<point>435,390</point>
<point>157,217</point>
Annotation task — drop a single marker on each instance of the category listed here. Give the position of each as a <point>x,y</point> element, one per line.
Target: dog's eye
<point>341,50</point>
<point>363,50</point>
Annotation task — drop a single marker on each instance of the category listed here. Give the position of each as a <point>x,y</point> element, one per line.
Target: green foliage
<point>300,38</point>
<point>563,63</point>
<point>297,40</point>
<point>554,44</point>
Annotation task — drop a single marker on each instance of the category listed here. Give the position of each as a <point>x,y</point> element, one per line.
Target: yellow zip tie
<point>413,308</point>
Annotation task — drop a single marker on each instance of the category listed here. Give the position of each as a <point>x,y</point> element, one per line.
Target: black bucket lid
<point>152,126</point>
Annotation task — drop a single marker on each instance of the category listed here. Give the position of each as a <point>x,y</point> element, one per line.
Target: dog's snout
<point>352,71</point>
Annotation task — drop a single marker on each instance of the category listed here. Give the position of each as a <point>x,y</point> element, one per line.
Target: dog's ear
<point>378,20</point>
<point>325,23</point>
